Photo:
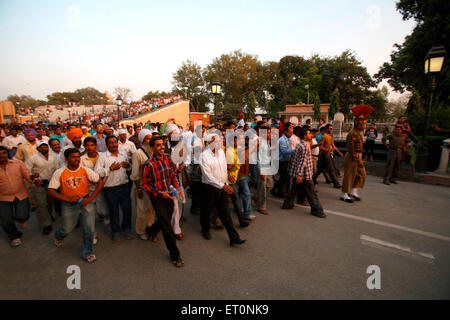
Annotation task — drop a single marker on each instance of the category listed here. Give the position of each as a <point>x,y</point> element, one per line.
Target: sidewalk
<point>407,172</point>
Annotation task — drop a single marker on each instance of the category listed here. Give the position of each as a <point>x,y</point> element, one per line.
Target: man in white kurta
<point>145,212</point>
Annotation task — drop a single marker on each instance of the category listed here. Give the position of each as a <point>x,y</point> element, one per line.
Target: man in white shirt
<point>125,145</point>
<point>216,191</point>
<point>13,141</point>
<point>113,165</point>
<point>40,135</point>
<point>145,211</point>
<point>42,165</point>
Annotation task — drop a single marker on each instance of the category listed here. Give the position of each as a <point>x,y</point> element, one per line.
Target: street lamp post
<point>433,64</point>
<point>48,115</point>
<point>119,103</point>
<point>307,88</point>
<point>70,116</point>
<point>32,120</point>
<point>216,89</point>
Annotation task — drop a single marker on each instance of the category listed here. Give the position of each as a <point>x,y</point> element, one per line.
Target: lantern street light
<point>70,117</point>
<point>216,89</point>
<point>48,115</point>
<point>119,103</point>
<point>434,61</point>
<point>31,114</point>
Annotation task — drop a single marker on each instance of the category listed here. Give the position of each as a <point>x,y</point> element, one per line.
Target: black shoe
<point>78,224</point>
<point>393,181</point>
<point>237,242</point>
<point>337,186</point>
<point>287,207</point>
<point>243,224</point>
<point>347,200</point>
<point>328,181</point>
<point>386,183</point>
<point>320,215</point>
<point>46,230</point>
<point>272,192</point>
<point>355,197</point>
<point>53,218</point>
<point>206,235</point>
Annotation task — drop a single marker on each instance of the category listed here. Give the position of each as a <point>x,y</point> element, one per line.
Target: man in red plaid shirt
<point>301,172</point>
<point>158,178</point>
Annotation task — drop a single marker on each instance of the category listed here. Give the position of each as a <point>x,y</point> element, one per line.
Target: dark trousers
<point>164,211</point>
<point>214,198</point>
<point>17,210</point>
<point>369,147</point>
<point>326,164</point>
<point>282,185</point>
<point>393,164</point>
<point>307,189</point>
<point>196,192</point>
<point>114,197</point>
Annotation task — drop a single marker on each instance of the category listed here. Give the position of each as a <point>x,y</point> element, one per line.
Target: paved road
<point>404,229</point>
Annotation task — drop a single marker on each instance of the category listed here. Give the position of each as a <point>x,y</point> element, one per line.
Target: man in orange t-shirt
<point>73,182</point>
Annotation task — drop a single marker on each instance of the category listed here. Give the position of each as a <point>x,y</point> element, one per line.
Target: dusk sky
<point>50,46</point>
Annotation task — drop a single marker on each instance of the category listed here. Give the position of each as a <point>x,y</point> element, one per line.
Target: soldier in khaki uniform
<point>354,170</point>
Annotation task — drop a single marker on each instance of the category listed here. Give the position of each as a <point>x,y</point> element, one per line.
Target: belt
<point>115,187</point>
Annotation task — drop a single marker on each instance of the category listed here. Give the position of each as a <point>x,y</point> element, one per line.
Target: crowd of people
<point>101,172</point>
<point>107,115</point>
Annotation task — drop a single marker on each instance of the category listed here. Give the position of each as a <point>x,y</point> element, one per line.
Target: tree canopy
<point>405,71</point>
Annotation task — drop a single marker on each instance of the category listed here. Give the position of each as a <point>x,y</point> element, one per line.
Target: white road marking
<point>395,246</point>
<point>380,223</point>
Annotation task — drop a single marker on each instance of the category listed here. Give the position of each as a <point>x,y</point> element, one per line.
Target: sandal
<point>91,258</point>
<point>178,263</point>
<point>58,243</point>
<point>179,236</point>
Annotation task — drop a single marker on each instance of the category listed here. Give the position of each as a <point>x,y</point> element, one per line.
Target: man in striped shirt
<point>159,179</point>
<point>301,171</point>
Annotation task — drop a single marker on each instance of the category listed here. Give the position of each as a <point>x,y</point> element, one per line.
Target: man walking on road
<point>216,190</point>
<point>159,178</point>
<point>395,148</point>
<point>73,180</point>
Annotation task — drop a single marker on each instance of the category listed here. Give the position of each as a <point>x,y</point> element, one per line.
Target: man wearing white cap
<point>125,145</point>
<point>42,165</point>
<point>145,212</point>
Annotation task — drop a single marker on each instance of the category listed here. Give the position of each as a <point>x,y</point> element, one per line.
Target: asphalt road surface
<point>402,229</point>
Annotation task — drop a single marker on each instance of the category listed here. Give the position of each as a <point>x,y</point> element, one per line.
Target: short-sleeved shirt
<point>327,143</point>
<point>73,183</point>
<point>11,181</point>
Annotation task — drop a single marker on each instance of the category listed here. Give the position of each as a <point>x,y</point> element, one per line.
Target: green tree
<point>316,107</point>
<point>334,103</point>
<point>25,101</point>
<point>230,111</point>
<point>378,100</point>
<point>91,96</point>
<point>251,107</point>
<point>312,78</point>
<point>405,70</point>
<point>239,74</point>
<point>155,94</point>
<point>189,81</point>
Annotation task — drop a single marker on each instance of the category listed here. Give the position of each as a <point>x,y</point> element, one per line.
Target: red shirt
<point>158,175</point>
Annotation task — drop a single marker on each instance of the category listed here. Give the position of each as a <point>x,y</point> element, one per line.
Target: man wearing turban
<point>145,212</point>
<point>75,135</point>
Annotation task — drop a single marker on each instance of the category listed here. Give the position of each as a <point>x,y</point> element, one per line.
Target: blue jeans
<point>114,197</point>
<point>71,213</point>
<point>241,196</point>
